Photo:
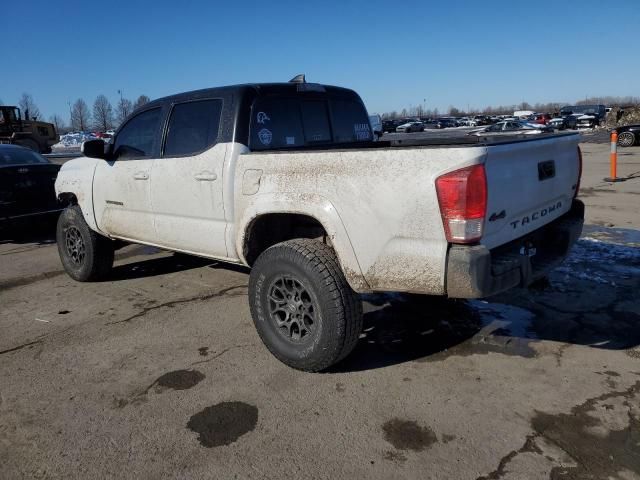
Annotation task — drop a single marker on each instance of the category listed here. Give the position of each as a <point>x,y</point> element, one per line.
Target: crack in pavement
<point>20,347</point>
<point>222,293</point>
<point>223,352</point>
<point>529,446</point>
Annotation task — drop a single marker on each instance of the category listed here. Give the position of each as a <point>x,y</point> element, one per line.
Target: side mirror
<point>93,149</point>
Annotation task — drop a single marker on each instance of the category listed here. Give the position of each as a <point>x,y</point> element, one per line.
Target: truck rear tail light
<point>575,194</point>
<point>462,195</point>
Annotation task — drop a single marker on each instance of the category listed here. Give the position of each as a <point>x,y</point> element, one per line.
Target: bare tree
<point>57,121</point>
<point>142,99</point>
<point>102,114</point>
<point>80,115</point>
<point>29,108</point>
<point>124,109</point>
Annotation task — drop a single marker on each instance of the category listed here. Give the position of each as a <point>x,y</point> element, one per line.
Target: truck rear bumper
<point>477,272</point>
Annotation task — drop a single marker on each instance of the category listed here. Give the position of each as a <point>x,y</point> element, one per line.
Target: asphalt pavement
<point>159,373</point>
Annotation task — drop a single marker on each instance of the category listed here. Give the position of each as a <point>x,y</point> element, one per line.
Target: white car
<point>410,127</point>
<point>467,122</point>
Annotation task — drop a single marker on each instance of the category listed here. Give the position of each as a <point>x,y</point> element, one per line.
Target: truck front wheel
<point>86,256</point>
<point>305,312</point>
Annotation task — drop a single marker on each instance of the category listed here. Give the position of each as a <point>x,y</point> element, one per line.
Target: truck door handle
<point>205,177</point>
<point>141,176</point>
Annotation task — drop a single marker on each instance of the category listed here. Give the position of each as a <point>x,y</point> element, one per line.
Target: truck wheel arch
<point>263,228</point>
<point>68,199</point>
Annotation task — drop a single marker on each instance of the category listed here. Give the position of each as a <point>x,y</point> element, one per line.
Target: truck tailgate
<point>529,184</point>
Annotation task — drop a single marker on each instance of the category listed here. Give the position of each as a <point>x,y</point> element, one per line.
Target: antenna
<point>298,79</point>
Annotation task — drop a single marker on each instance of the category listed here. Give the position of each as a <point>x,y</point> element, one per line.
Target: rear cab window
<point>285,121</point>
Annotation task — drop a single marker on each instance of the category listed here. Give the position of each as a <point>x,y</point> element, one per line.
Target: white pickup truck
<point>285,178</point>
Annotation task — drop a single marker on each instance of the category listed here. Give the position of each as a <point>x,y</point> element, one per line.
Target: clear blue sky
<point>395,54</point>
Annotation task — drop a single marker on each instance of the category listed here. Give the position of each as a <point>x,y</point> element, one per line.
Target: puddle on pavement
<point>223,423</point>
<point>180,379</point>
<point>408,435</point>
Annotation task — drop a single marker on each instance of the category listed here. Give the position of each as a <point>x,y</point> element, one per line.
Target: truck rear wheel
<point>305,312</point>
<point>86,256</point>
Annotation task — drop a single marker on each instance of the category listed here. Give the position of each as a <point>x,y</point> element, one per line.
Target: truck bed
<point>441,142</point>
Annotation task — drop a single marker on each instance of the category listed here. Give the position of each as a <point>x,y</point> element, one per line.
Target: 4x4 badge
<point>497,216</point>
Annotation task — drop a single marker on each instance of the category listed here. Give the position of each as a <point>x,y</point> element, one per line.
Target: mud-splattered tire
<point>626,139</point>
<point>305,312</point>
<point>86,256</point>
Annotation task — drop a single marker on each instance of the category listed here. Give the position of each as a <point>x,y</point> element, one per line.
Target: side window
<point>350,121</point>
<point>193,127</point>
<point>136,138</point>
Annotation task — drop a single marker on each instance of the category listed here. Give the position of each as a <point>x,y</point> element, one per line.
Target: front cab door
<point>122,199</point>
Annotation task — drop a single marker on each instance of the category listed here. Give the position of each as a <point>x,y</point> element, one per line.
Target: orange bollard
<point>613,158</point>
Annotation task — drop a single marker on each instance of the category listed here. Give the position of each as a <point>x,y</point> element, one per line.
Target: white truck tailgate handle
<point>141,176</point>
<point>205,176</point>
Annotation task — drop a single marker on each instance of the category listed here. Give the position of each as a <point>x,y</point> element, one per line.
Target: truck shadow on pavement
<point>591,300</point>
<point>154,266</point>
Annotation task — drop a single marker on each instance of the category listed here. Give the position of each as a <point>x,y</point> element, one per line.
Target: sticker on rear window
<point>362,131</point>
<point>265,136</point>
<point>290,140</point>
<point>262,117</point>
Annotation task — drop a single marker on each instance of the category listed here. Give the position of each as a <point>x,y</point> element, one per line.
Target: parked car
<point>376,125</point>
<point>558,123</point>
<point>482,120</point>
<point>446,123</point>
<point>628,135</point>
<point>542,118</point>
<point>389,126</point>
<point>587,121</point>
<point>26,185</point>
<point>284,178</point>
<point>599,112</point>
<point>512,128</point>
<point>467,122</point>
<point>410,127</point>
<point>571,121</point>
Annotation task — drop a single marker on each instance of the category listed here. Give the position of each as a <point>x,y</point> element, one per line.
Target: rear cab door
<point>187,180</point>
